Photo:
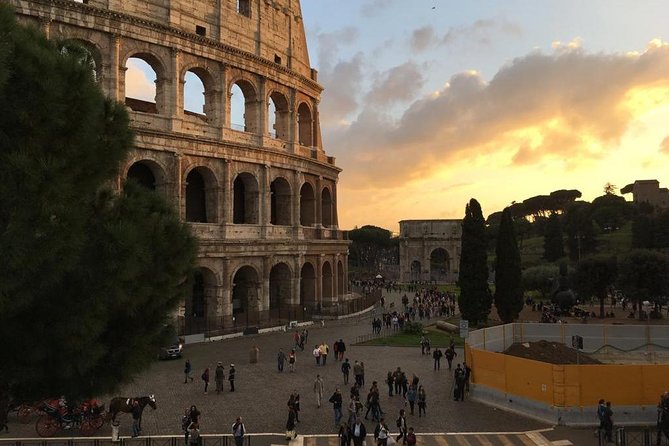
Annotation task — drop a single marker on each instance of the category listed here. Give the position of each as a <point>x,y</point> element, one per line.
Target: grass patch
<point>437,338</point>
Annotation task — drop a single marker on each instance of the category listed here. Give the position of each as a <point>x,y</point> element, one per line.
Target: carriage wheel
<point>25,413</point>
<point>97,421</point>
<point>47,426</point>
<point>87,428</point>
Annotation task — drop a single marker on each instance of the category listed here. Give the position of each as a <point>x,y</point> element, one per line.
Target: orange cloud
<point>569,106</point>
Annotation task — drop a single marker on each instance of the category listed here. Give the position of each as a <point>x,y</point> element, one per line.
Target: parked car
<point>172,351</point>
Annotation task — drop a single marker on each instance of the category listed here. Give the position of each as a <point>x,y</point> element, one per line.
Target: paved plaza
<point>262,392</point>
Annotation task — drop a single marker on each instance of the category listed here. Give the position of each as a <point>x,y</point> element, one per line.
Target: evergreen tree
<point>508,288</point>
<point>594,276</point>
<point>553,240</point>
<point>88,278</point>
<point>580,230</point>
<point>475,299</point>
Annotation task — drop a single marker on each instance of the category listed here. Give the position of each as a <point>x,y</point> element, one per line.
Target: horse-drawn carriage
<point>54,415</point>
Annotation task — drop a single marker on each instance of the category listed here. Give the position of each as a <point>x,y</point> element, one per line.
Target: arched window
<point>341,278</point>
<point>245,201</point>
<point>203,292</point>
<point>143,175</point>
<point>281,209</point>
<point>305,125</point>
<point>86,54</point>
<point>243,107</point>
<point>245,296</point>
<point>201,196</point>
<point>307,205</point>
<point>141,84</point>
<point>278,116</point>
<point>416,273</point>
<point>280,290</point>
<point>327,281</point>
<point>307,285</point>
<point>439,265</point>
<point>194,94</point>
<point>326,208</point>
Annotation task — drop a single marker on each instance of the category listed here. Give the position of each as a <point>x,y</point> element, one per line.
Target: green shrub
<point>415,328</point>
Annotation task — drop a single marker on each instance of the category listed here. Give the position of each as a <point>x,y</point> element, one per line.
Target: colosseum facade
<point>260,196</point>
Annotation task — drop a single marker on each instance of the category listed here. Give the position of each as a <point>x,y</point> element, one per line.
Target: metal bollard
<point>115,428</point>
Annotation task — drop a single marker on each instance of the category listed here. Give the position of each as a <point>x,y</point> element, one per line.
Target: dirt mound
<point>545,351</point>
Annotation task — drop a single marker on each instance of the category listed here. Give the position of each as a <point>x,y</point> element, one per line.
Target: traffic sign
<point>464,328</point>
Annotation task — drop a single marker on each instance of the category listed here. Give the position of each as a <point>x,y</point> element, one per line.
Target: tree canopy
<point>475,299</point>
<point>594,276</point>
<point>508,289</point>
<point>89,278</point>
<point>644,275</point>
<point>371,247</point>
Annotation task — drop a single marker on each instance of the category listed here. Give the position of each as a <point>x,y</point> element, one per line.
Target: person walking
<point>194,438</point>
<point>468,374</point>
<point>362,374</point>
<point>296,339</point>
<point>459,381</point>
<point>411,437</point>
<point>205,378</point>
<point>238,431</point>
<point>390,381</point>
<point>412,395</point>
<point>291,361</point>
<point>188,369</point>
<point>436,355</point>
<point>336,401</point>
<point>185,422</point>
<point>422,401</point>
<point>318,390</point>
<point>358,432</point>
<point>136,418</point>
<point>231,377</point>
<point>342,349</point>
<point>608,422</point>
<point>381,433</point>
<point>345,370</point>
<point>280,360</point>
<point>219,377</point>
<point>296,406</point>
<point>290,424</point>
<point>450,354</point>
<point>357,373</point>
<point>344,435</point>
<point>663,418</point>
<point>401,424</point>
<point>324,349</point>
<point>317,354</point>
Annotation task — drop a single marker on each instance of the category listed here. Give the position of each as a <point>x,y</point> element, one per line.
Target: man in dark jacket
<point>231,377</point>
<point>336,401</point>
<point>358,432</point>
<point>436,355</point>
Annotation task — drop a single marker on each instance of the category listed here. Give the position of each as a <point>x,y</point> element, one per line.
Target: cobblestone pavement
<point>262,392</point>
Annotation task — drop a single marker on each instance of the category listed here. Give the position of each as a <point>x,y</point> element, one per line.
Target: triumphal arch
<point>246,169</point>
<point>430,250</point>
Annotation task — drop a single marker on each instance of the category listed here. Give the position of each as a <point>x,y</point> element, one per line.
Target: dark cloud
<point>423,38</point>
<point>399,84</point>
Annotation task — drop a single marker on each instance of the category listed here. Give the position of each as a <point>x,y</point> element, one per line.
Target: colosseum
<point>260,193</point>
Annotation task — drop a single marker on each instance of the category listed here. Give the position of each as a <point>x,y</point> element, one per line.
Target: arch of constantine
<point>261,193</point>
<point>430,250</point>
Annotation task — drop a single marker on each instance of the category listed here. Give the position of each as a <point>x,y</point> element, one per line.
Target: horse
<point>124,404</point>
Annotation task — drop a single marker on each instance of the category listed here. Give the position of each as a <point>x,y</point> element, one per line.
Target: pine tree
<point>475,299</point>
<point>553,239</point>
<point>88,278</point>
<point>508,288</point>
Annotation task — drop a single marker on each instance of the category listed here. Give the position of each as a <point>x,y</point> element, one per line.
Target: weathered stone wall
<point>419,239</point>
<point>241,190</point>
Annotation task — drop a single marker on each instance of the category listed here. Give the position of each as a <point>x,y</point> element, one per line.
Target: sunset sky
<point>429,103</point>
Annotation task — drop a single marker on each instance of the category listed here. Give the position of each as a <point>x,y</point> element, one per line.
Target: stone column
<point>263,303</point>
<point>262,111</point>
<point>265,201</point>
<point>226,196</point>
<point>292,123</point>
<point>116,72</point>
<point>319,280</point>
<point>319,201</point>
<point>224,100</point>
<point>168,86</point>
<point>226,295</point>
<point>297,183</point>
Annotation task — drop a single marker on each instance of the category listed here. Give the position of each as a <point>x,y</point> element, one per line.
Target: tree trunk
<point>601,306</point>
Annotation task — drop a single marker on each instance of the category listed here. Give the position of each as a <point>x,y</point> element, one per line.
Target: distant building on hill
<point>430,250</point>
<point>648,191</point>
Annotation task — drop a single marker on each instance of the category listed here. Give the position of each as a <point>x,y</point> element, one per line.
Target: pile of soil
<point>551,352</point>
